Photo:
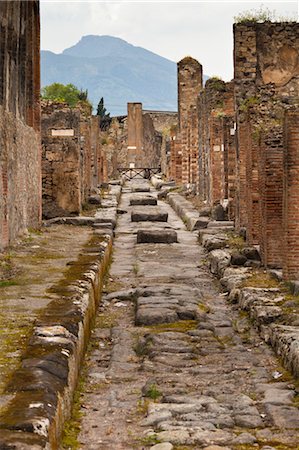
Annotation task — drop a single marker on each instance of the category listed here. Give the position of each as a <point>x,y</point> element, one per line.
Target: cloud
<point>172,29</point>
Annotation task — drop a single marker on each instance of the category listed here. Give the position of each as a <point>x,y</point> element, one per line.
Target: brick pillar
<point>217,176</point>
<point>252,186</point>
<point>189,86</point>
<point>271,191</point>
<point>291,196</point>
<point>135,134</point>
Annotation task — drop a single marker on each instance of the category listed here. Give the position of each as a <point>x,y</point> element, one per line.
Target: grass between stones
<point>181,326</point>
<point>260,279</point>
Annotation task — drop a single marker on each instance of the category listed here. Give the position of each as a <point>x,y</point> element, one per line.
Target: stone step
<point>156,237</point>
<point>143,201</point>
<point>150,216</point>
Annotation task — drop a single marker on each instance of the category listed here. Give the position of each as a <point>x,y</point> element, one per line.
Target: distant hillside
<point>110,67</point>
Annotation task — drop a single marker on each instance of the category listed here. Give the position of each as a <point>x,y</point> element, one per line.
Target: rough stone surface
<point>156,236</point>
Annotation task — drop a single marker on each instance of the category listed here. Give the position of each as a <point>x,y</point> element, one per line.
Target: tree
<point>101,110</point>
<point>68,93</point>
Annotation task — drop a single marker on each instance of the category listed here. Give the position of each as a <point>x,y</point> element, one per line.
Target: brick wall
<point>20,157</point>
<point>266,84</point>
<point>216,142</point>
<point>291,196</point>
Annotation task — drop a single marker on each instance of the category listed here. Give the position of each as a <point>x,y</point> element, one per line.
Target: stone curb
<point>44,385</point>
<point>187,212</point>
<point>262,304</point>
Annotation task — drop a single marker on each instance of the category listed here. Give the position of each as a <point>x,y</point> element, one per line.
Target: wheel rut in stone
<point>174,362</point>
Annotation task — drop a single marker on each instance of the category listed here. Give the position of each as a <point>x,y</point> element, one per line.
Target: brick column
<point>189,86</point>
<point>271,190</point>
<point>291,196</point>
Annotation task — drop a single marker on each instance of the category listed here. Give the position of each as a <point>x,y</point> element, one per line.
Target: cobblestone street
<point>173,364</point>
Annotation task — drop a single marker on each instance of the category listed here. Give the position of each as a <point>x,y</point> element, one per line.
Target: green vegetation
<point>215,83</point>
<point>153,392</point>
<point>68,93</point>
<point>260,15</point>
<point>101,110</point>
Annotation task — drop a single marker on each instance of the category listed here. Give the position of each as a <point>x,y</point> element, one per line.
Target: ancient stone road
<point>172,361</point>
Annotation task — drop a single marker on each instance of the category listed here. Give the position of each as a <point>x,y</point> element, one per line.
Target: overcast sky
<point>172,29</point>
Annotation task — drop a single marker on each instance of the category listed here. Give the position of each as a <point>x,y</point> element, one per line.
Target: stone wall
<point>73,160</point>
<point>62,162</point>
<point>20,160</point>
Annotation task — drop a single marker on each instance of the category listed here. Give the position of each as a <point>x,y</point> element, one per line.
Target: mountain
<point>112,68</point>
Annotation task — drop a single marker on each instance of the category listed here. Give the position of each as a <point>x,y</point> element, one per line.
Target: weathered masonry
<point>144,142</point>
<point>73,164</point>
<point>20,160</point>
<point>184,160</point>
<point>236,140</point>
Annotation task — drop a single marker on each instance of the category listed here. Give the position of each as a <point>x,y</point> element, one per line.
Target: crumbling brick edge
<point>44,385</point>
<point>264,305</point>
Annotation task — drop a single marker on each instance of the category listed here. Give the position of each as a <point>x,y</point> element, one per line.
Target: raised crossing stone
<point>156,237</point>
<point>149,216</point>
<point>141,189</point>
<point>143,201</point>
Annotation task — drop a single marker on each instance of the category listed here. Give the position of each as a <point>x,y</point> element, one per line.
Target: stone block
<point>143,201</point>
<point>141,189</point>
<point>156,237</point>
<point>221,223</point>
<point>150,216</point>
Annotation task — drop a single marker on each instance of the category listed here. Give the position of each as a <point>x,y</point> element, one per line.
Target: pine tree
<point>101,110</point>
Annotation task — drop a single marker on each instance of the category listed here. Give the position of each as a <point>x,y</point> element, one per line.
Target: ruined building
<point>140,139</point>
<point>20,161</point>
<point>73,163</point>
<point>237,141</point>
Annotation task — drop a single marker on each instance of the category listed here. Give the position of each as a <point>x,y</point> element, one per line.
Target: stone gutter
<point>276,319</point>
<point>44,385</point>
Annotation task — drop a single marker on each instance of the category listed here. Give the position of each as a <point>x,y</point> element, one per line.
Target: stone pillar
<point>189,86</point>
<point>135,135</point>
<point>291,196</point>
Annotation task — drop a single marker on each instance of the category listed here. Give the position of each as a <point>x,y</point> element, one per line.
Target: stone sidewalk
<point>173,365</point>
<point>50,285</point>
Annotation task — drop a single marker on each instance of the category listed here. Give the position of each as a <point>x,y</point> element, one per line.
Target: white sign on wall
<point>61,133</point>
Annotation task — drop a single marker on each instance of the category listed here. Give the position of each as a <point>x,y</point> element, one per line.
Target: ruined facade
<point>73,164</point>
<point>141,138</point>
<point>236,144</point>
<point>266,85</point>
<point>20,161</point>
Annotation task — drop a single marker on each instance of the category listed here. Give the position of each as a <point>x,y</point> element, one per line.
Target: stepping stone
<point>143,201</point>
<point>156,236</point>
<point>141,189</point>
<point>150,216</point>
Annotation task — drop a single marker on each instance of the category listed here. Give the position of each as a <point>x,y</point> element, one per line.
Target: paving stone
<point>285,417</point>
<point>248,421</point>
<point>156,418</point>
<point>163,446</point>
<point>153,316</point>
<point>244,438</point>
<point>179,437</point>
<point>156,237</point>
<point>279,396</point>
<point>212,437</point>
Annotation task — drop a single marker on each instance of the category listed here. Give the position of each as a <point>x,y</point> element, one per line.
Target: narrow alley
<point>174,365</point>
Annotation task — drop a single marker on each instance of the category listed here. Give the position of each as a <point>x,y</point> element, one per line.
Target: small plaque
<point>216,148</point>
<point>132,147</point>
<point>132,165</point>
<point>62,133</point>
